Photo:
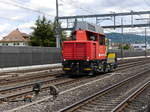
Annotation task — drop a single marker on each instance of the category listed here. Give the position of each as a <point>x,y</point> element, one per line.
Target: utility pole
<point>149,21</point>
<point>57,26</point>
<point>122,37</point>
<point>132,18</point>
<point>145,42</point>
<point>114,21</point>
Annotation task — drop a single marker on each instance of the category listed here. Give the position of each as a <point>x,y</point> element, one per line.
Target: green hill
<point>127,38</point>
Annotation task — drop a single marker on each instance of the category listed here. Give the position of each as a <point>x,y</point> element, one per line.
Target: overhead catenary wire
<point>17,1</point>
<point>24,7</point>
<point>76,5</point>
<point>88,8</point>
<point>131,20</point>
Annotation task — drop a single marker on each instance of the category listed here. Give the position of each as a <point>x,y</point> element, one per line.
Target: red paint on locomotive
<point>87,46</point>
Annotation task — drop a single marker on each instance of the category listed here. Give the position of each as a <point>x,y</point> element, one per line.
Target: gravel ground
<point>115,96</point>
<point>70,97</point>
<point>141,103</point>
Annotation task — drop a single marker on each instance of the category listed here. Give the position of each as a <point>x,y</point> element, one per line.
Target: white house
<point>140,46</point>
<point>15,38</point>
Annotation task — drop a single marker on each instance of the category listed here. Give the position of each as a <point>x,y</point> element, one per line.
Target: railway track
<point>109,98</point>
<point>131,60</point>
<point>47,74</point>
<point>35,74</point>
<point>131,64</point>
<point>21,94</point>
<point>136,100</point>
<point>23,74</point>
<point>57,82</point>
<point>30,77</point>
<point>21,90</point>
<point>52,76</point>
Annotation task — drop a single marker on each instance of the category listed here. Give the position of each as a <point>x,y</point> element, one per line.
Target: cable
<point>75,2</point>
<point>17,1</point>
<point>108,30</point>
<point>26,8</point>
<point>75,5</point>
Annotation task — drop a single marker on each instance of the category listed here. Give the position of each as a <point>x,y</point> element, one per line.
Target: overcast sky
<point>23,13</point>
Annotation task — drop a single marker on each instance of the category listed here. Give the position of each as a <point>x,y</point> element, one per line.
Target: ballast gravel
<point>70,97</point>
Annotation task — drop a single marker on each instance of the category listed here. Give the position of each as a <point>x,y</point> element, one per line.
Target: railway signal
<point>53,90</point>
<point>27,98</point>
<point>36,89</point>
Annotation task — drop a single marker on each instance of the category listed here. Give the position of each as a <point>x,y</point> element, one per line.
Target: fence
<point>131,53</point>
<point>25,56</point>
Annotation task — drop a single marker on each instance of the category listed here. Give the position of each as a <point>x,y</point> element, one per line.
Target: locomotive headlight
<point>64,59</point>
<point>87,59</point>
<point>99,54</point>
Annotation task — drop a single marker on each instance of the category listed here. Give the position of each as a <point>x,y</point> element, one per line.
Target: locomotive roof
<point>90,32</point>
<point>82,25</point>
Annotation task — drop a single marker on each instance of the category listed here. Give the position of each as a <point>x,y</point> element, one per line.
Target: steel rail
<point>21,94</point>
<point>84,101</point>
<point>2,91</point>
<point>124,103</point>
<point>28,85</point>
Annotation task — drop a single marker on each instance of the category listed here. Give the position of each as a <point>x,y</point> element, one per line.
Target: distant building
<point>115,46</point>
<point>15,38</point>
<point>140,46</point>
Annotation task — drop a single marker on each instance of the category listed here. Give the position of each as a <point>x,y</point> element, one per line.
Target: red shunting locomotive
<point>87,52</point>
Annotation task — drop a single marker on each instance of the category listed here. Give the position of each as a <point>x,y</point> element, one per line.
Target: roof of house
<point>16,36</point>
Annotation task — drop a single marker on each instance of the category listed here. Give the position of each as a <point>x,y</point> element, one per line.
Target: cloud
<point>5,6</point>
<point>4,26</point>
<point>50,4</point>
<point>26,25</point>
<point>25,18</point>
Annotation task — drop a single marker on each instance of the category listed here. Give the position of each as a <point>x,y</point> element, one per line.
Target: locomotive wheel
<point>91,72</point>
<point>110,68</point>
<point>105,67</point>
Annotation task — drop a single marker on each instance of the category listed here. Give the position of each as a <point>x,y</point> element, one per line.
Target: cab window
<point>102,41</point>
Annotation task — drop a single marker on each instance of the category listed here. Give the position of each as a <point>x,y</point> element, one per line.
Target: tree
<point>126,47</point>
<point>43,33</point>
